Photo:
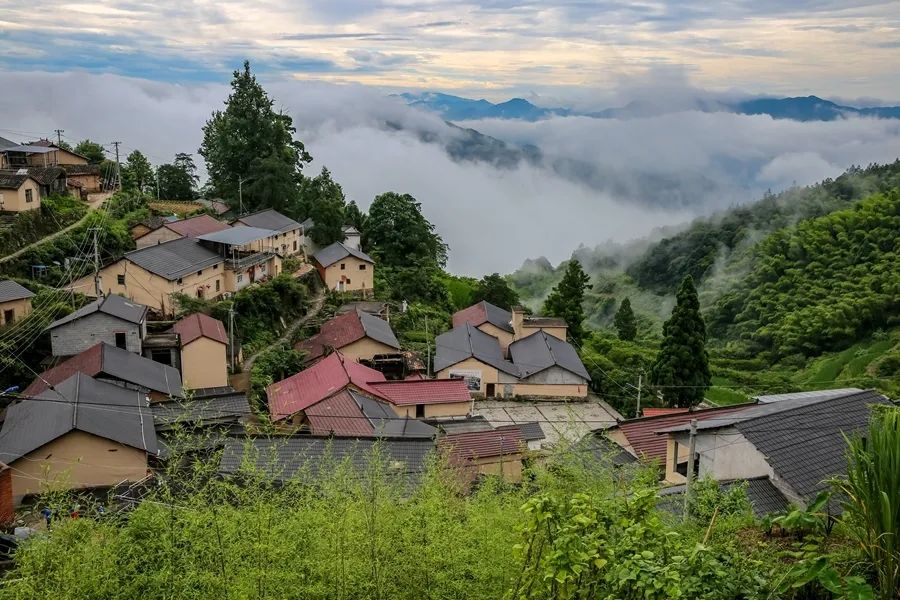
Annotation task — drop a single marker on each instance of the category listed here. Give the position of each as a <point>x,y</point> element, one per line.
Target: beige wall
<point>504,337</point>
<point>89,182</point>
<point>366,348</point>
<point>204,364</point>
<point>359,280</point>
<point>568,390</point>
<point>557,332</point>
<point>74,461</point>
<point>435,411</point>
<point>272,268</point>
<point>16,200</point>
<point>20,308</point>
<point>157,236</point>
<point>57,157</point>
<point>617,436</point>
<point>509,467</point>
<point>488,374</point>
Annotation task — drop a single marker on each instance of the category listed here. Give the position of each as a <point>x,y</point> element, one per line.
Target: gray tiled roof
<point>821,394</point>
<point>269,219</point>
<point>466,425</point>
<point>175,259</point>
<point>226,408</point>
<point>113,305</point>
<point>78,403</point>
<point>540,351</point>
<point>238,236</point>
<point>5,143</point>
<point>10,290</point>
<point>378,329</point>
<point>386,423</point>
<point>282,458</point>
<point>498,317</point>
<point>603,449</point>
<point>331,254</point>
<point>11,180</point>
<point>467,341</point>
<point>127,366</point>
<point>765,498</point>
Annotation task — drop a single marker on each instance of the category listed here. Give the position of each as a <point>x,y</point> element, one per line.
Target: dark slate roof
<point>822,394</point>
<point>540,351</point>
<point>269,219</point>
<point>484,312</point>
<point>10,290</point>
<point>238,235</point>
<point>462,425</point>
<point>226,407</point>
<point>113,305</point>
<point>530,431</point>
<point>174,259</point>
<point>46,175</point>
<point>346,329</point>
<point>386,423</point>
<point>765,498</point>
<point>543,322</point>
<point>82,169</point>
<point>78,403</point>
<point>331,254</point>
<point>11,180</point>
<point>378,329</point>
<point>5,143</point>
<point>603,449</point>
<point>282,458</point>
<point>467,341</point>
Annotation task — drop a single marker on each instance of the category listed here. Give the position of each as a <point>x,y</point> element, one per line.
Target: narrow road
<point>314,309</point>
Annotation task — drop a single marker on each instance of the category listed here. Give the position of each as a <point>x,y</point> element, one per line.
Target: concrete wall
<point>366,348</point>
<point>83,333</point>
<point>21,308</point>
<point>204,363</point>
<point>724,454</point>
<point>436,411</point>
<point>238,280</point>
<point>76,460</point>
<point>504,337</point>
<point>90,183</point>
<point>18,200</point>
<point>557,332</point>
<point>157,236</point>
<point>554,381</point>
<point>360,279</point>
<point>488,375</point>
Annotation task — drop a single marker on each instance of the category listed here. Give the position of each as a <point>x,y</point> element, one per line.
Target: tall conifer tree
<point>566,298</point>
<point>625,323</point>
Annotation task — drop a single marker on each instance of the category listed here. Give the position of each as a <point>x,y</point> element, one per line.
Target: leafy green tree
<point>400,235</point>
<point>681,369</point>
<point>272,186</point>
<point>92,151</point>
<point>353,215</point>
<point>185,162</point>
<point>174,183</point>
<point>322,200</point>
<point>565,300</point>
<point>250,140</point>
<point>137,174</point>
<point>64,145</point>
<point>495,289</point>
<point>626,324</point>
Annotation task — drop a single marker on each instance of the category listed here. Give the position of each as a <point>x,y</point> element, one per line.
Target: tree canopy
<point>495,289</point>
<point>322,200</point>
<point>681,370</point>
<point>400,235</point>
<point>92,151</point>
<point>137,173</point>
<point>565,300</point>
<point>626,324</point>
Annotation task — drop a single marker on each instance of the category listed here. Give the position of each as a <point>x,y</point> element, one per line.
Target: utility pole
<point>241,181</point>
<point>692,448</point>
<point>640,378</point>
<point>157,184</point>
<point>231,334</point>
<point>97,289</point>
<point>427,350</point>
<point>118,174</point>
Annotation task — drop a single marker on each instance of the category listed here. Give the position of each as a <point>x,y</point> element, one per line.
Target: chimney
<point>518,317</point>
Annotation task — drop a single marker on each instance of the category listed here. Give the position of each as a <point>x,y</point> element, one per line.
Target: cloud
<point>495,201</point>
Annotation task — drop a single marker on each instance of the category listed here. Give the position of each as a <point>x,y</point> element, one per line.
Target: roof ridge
<point>804,405</point>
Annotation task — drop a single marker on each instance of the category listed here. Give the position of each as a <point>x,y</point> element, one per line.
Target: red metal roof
<point>199,225</point>
<point>423,391</point>
<point>655,412</point>
<point>314,384</point>
<point>335,333</point>
<point>89,362</point>
<point>338,415</point>
<point>199,325</point>
<point>648,445</point>
<point>475,315</point>
<point>462,447</point>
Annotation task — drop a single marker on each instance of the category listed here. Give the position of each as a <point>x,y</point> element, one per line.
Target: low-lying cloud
<point>553,185</point>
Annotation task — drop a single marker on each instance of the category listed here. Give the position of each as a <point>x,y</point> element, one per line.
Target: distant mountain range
<point>808,108</point>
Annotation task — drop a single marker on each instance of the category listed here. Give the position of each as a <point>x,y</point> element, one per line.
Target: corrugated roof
<point>655,412</point>
<point>78,403</point>
<point>530,431</point>
<point>199,325</point>
<point>346,329</point>
<point>460,448</point>
<point>540,351</point>
<point>174,259</point>
<point>228,407</point>
<point>484,312</point>
<point>197,226</point>
<point>105,361</point>
<point>467,341</point>
<point>338,251</point>
<point>317,382</point>
<point>423,391</point>
<point>767,399</point>
<point>10,290</point>
<point>237,235</point>
<point>352,414</point>
<point>269,219</point>
<point>112,305</point>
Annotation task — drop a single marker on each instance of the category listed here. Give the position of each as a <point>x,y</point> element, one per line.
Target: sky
<point>149,75</point>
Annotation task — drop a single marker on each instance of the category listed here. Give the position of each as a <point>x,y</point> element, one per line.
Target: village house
<point>248,255</point>
<point>114,365</point>
<point>508,326</point>
<point>548,366</point>
<point>497,452</point>
<point>204,344</point>
<point>55,155</point>
<point>19,191</point>
<point>82,434</point>
<point>38,154</point>
<point>358,335</point>
<point>426,398</point>
<point>84,178</point>
<point>15,302</point>
<point>151,223</point>
<point>111,319</point>
<point>168,230</point>
<point>207,410</point>
<point>345,269</point>
<point>287,236</point>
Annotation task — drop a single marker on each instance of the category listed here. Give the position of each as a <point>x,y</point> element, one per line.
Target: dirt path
<point>52,236</point>
<point>314,309</point>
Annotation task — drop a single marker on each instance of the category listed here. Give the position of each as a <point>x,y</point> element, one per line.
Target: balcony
<point>245,260</point>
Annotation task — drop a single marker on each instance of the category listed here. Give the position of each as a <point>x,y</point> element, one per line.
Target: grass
<point>723,394</point>
<point>849,364</point>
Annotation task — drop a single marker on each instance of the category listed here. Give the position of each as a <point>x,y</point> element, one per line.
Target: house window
<point>295,245</point>
<point>217,285</point>
<point>215,267</point>
<point>240,277</point>
<point>120,339</point>
<point>29,195</point>
<point>343,267</point>
<point>162,356</point>
<point>200,292</point>
<point>283,247</point>
<point>200,272</point>
<point>489,390</point>
<point>120,279</point>
<point>348,282</point>
<point>420,411</point>
<point>9,316</point>
<point>362,267</point>
<point>178,281</point>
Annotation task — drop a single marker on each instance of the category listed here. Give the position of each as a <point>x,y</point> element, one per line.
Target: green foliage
<point>872,497</point>
<point>413,284</point>
<point>30,226</point>
<point>137,174</point>
<point>613,363</point>
<point>322,200</point>
<point>178,180</point>
<point>461,289</point>
<point>93,151</point>
<point>565,300</point>
<point>274,364</point>
<point>626,324</point>
<point>495,289</point>
<point>400,236</point>
<point>353,215</point>
<point>709,500</point>
<point>250,140</point>
<point>681,369</point>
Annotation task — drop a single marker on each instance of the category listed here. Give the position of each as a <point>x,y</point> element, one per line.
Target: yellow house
<point>204,343</point>
<point>287,237</point>
<point>490,319</point>
<point>345,269</point>
<point>524,325</point>
<point>248,255</point>
<point>98,436</point>
<point>54,155</point>
<point>19,192</point>
<point>173,230</point>
<point>15,302</point>
<point>357,334</point>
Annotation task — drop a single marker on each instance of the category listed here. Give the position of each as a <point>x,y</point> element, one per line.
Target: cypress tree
<point>625,323</point>
<point>681,369</point>
<point>566,298</point>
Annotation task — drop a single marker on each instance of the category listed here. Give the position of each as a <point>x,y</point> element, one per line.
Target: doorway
<point>489,390</point>
<point>9,316</point>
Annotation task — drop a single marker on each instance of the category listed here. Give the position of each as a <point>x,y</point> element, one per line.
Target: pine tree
<point>625,323</point>
<point>681,369</point>
<point>565,299</point>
